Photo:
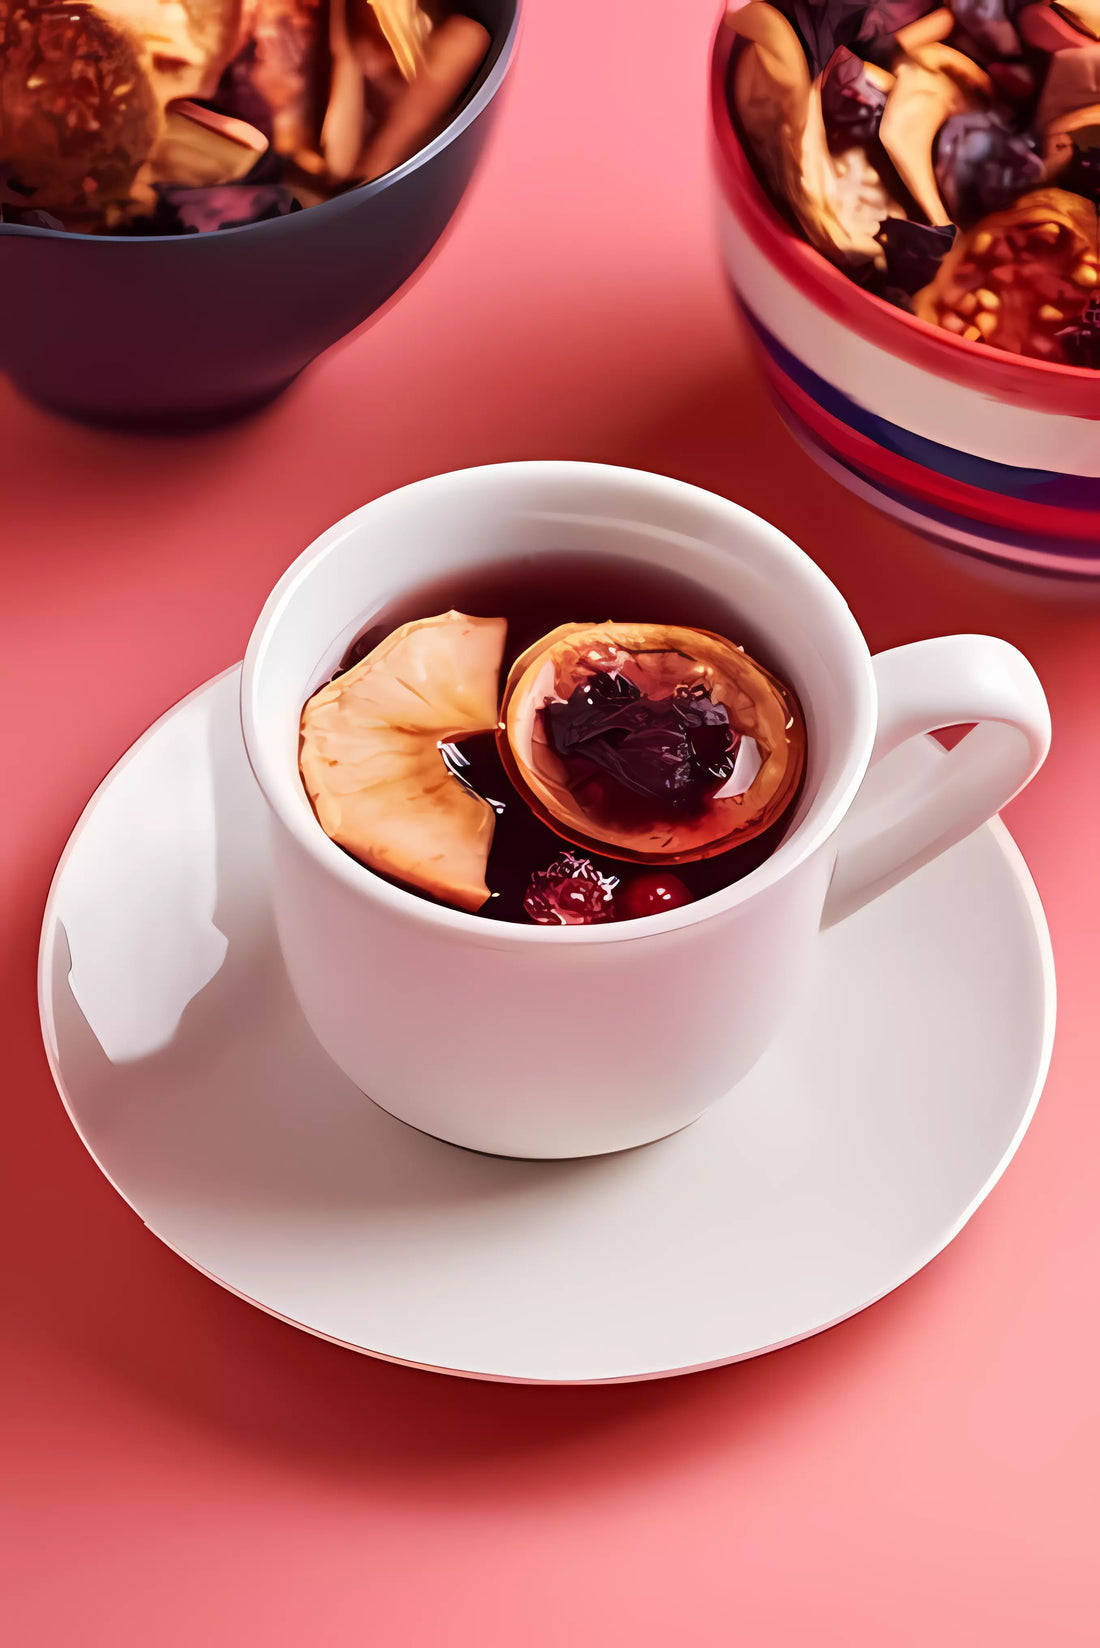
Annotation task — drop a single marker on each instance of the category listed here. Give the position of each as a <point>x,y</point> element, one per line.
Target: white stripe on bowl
<point>903,394</point>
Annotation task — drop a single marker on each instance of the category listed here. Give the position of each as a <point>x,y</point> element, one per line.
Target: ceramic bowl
<point>150,330</point>
<point>993,454</point>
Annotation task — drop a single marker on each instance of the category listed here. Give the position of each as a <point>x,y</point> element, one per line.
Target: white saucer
<point>854,1152</point>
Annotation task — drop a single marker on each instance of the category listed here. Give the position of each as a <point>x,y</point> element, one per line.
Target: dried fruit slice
<point>771,90</point>
<point>853,96</point>
<point>78,113</point>
<point>1048,29</point>
<point>452,56</point>
<point>929,88</point>
<point>406,27</point>
<point>649,742</point>
<point>200,148</point>
<point>1084,14</point>
<point>371,762</point>
<point>1068,117</point>
<point>288,51</point>
<point>1020,276</point>
<point>841,201</point>
<point>838,198</point>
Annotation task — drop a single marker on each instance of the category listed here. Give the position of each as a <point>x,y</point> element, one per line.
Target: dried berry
<point>649,895</point>
<point>12,191</point>
<point>1081,343</point>
<point>30,219</point>
<point>674,750</point>
<point>982,165</point>
<point>914,251</point>
<point>823,25</point>
<point>224,206</point>
<point>570,893</point>
<point>1082,175</point>
<point>880,23</point>
<point>851,103</point>
<point>987,28</point>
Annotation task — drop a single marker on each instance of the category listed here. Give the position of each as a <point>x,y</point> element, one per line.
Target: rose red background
<point>184,1470</point>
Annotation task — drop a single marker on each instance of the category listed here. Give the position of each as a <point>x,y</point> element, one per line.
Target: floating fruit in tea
<point>570,892</point>
<point>371,761</point>
<point>650,894</point>
<point>650,742</point>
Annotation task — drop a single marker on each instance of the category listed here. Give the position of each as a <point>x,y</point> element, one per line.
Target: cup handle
<point>946,682</point>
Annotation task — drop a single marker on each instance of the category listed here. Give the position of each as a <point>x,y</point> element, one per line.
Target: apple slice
<point>200,148</point>
<point>650,742</point>
<point>371,762</point>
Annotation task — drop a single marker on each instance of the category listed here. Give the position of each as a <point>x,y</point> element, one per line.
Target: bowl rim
<point>487,83</point>
<point>1043,385</point>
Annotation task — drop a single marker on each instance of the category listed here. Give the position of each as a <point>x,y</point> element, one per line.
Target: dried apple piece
<point>925,95</point>
<point>452,56</point>
<point>1068,118</point>
<point>650,742</point>
<point>839,199</point>
<point>371,762</point>
<point>286,38</point>
<point>771,90</point>
<point>1083,14</point>
<point>406,28</point>
<point>1072,86</point>
<point>200,147</point>
<point>1052,29</point>
<point>1020,276</point>
<point>344,125</point>
<point>928,30</point>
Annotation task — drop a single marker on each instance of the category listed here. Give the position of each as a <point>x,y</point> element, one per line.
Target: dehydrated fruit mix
<point>527,782</point>
<point>175,117</point>
<point>946,158</point>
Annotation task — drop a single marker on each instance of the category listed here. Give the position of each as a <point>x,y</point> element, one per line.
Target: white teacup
<point>573,1041</point>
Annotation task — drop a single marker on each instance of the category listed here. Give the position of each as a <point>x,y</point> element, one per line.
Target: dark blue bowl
<point>185,329</point>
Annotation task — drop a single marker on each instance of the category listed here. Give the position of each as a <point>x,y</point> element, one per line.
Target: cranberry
<point>648,895</point>
<point>571,893</point>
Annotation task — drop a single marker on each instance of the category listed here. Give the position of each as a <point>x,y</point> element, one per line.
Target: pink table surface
<point>183,1470</point>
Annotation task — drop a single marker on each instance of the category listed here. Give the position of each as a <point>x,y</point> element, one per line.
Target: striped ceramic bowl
<point>991,453</point>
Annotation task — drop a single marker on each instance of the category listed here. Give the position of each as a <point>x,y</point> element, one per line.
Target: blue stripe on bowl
<point>1038,557</point>
<point>1002,541</point>
<point>1040,486</point>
